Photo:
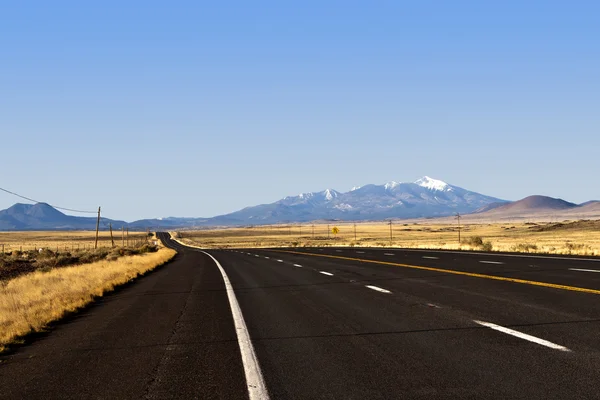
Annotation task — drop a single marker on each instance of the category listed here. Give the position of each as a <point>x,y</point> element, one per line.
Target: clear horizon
<point>69,212</point>
<point>198,110</point>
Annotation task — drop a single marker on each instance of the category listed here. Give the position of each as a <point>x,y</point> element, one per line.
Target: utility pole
<point>355,232</point>
<point>458,218</point>
<point>391,235</point>
<point>122,236</point>
<point>97,227</point>
<point>313,231</point>
<point>112,240</point>
<point>327,231</point>
<point>127,235</point>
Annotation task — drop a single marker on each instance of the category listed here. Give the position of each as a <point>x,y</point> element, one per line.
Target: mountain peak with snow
<point>305,195</point>
<point>330,194</point>
<point>433,184</point>
<point>391,185</point>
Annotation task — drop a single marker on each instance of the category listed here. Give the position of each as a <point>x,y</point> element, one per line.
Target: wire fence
<point>10,245</point>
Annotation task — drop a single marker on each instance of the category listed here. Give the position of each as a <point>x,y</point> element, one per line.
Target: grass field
<point>569,237</point>
<point>38,287</point>
<point>67,240</point>
<point>29,302</point>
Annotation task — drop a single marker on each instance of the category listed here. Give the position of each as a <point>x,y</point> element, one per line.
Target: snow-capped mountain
<point>426,197</point>
<point>433,184</point>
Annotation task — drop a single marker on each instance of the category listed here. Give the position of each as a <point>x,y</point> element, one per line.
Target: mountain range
<point>41,216</point>
<point>424,198</point>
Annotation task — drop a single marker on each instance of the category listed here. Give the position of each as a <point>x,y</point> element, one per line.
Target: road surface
<point>329,324</point>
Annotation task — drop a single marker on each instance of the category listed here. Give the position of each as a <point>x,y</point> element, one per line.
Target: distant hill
<point>42,216</point>
<point>489,207</point>
<point>541,208</point>
<point>535,204</point>
<point>590,205</point>
<point>167,223</point>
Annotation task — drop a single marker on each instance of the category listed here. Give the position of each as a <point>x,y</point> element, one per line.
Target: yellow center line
<point>454,272</point>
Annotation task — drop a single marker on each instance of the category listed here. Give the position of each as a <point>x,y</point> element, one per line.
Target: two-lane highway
<point>333,323</point>
<point>349,323</point>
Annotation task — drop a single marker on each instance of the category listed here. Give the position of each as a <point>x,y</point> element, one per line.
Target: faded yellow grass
<point>28,303</point>
<point>576,238</point>
<point>64,240</point>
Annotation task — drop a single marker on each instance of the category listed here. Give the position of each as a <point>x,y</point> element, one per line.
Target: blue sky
<point>199,108</point>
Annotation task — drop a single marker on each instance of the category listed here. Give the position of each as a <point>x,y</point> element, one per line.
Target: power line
<point>58,208</point>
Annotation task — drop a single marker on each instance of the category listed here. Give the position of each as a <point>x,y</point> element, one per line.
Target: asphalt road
<point>331,324</point>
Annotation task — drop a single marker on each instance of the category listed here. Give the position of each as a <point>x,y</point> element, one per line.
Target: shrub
<point>578,248</point>
<point>524,247</point>
<point>487,246</point>
<point>475,241</point>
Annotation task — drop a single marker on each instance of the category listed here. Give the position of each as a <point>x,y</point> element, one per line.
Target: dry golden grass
<point>580,238</point>
<point>28,303</point>
<point>67,240</point>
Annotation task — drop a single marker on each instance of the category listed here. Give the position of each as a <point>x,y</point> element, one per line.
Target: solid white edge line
<point>522,335</point>
<point>326,273</point>
<point>377,289</point>
<point>584,270</point>
<point>257,390</point>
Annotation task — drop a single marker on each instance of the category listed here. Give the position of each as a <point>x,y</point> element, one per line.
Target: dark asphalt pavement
<point>169,335</point>
<point>326,325</point>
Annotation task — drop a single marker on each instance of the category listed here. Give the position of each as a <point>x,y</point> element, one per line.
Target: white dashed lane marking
<point>378,289</point>
<point>491,262</point>
<point>298,265</point>
<point>431,258</point>
<point>522,335</point>
<point>326,273</point>
<point>583,270</point>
